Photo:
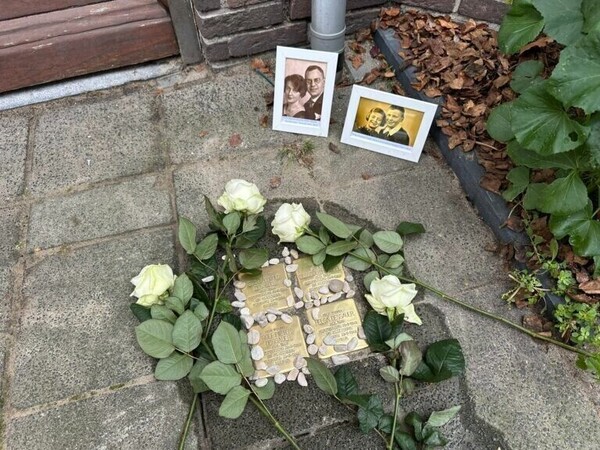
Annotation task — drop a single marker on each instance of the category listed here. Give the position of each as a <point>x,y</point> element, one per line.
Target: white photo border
<point>409,153</point>
<point>296,125</point>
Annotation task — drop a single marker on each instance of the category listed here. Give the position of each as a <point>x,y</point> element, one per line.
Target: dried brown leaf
<point>590,287</point>
<point>235,140</point>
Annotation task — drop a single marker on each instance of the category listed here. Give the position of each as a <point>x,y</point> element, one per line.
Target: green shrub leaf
<point>519,179</point>
<point>322,376</point>
<point>388,241</point>
<point>563,21</point>
<point>576,78</point>
<point>220,378</point>
<point>377,330</point>
<point>443,359</point>
<point>346,383</point>
<point>406,228</point>
<point>520,26</point>
<point>336,226</point>
<point>173,367</point>
<point>253,258</point>
<point>564,195</point>
<point>234,402</point>
<point>525,74</point>
<point>187,332</point>
<point>498,123</point>
<point>154,336</point>
<point>207,247</point>
<point>183,289</point>
<point>309,245</point>
<point>528,158</point>
<point>591,15</point>
<point>541,124</point>
<point>194,376</point>
<point>187,235</point>
<point>227,344</point>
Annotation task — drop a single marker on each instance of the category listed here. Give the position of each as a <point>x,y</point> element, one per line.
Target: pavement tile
<point>95,141</point>
<point>200,119</point>
<point>9,252</point>
<point>99,212</point>
<point>13,149</point>
<point>77,332</point>
<point>4,343</point>
<point>140,417</point>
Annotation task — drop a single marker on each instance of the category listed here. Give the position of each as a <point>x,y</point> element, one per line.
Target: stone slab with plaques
<point>266,290</point>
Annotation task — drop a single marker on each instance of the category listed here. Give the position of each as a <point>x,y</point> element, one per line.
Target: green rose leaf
<point>346,383</point>
<point>175,304</point>
<point>519,179</point>
<point>253,258</point>
<point>525,74</point>
<point>528,158</point>
<point>319,258</point>
<point>388,241</point>
<point>194,376</point>
<point>576,78</point>
<point>385,423</point>
<point>232,222</point>
<point>389,374</point>
<point>394,262</point>
<point>377,330</point>
<point>323,376</point>
<point>309,245</point>
<point>161,312</point>
<point>331,262</point>
<point>220,378</point>
<point>563,195</point>
<point>369,279</point>
<point>432,437</point>
<point>591,16</point>
<point>324,235</point>
<point>336,226</point>
<point>406,228</point>
<point>395,342</point>
<point>173,367</point>
<point>366,238</point>
<point>540,122</point>
<point>416,422</point>
<point>441,418</point>
<point>214,217</point>
<point>140,312</point>
<point>408,386</point>
<point>356,259</point>
<point>340,248</point>
<point>563,21</point>
<point>227,344</point>
<point>253,228</point>
<point>368,417</point>
<point>234,402</point>
<point>520,26</point>
<point>411,357</point>
<point>187,332</point>
<point>207,247</point>
<point>498,123</point>
<point>201,311</point>
<point>443,359</point>
<point>267,391</point>
<point>405,441</point>
<point>246,367</point>
<point>187,235</point>
<point>154,337</point>
<point>183,288</point>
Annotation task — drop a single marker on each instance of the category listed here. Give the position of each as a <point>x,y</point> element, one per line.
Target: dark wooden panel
<point>90,51</point>
<point>19,8</point>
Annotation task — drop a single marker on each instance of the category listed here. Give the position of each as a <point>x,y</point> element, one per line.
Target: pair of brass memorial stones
<point>305,318</point>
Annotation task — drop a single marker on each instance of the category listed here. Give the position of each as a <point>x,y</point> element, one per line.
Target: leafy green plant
<point>579,322</point>
<point>555,123</point>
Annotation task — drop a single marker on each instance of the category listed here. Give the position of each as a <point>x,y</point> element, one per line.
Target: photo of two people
<point>304,84</point>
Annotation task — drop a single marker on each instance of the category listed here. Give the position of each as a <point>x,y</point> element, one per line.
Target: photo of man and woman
<point>393,123</point>
<point>304,84</point>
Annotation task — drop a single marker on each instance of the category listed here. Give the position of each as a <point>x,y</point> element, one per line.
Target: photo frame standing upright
<point>387,123</point>
<point>304,84</point>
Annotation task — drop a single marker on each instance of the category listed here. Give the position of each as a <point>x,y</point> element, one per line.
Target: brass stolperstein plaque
<point>281,342</point>
<point>267,289</point>
<point>340,320</point>
<point>311,278</point>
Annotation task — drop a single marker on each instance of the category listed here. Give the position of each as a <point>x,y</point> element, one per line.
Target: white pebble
<point>299,362</point>
<point>238,304</point>
<point>271,317</point>
<point>308,304</point>
<point>223,257</point>
<point>352,343</point>
<point>294,253</point>
<point>274,311</point>
<point>239,284</point>
<point>285,252</point>
<point>310,339</point>
<point>260,365</point>
<point>317,303</point>
<point>279,378</point>
<point>257,353</point>
<point>323,349</point>
<point>274,261</point>
<point>261,382</point>
<point>287,260</point>
<point>265,264</point>
<point>290,301</point>
<point>287,282</point>
<point>329,340</point>
<point>273,370</point>
<point>350,278</point>
<point>346,287</point>
<point>208,279</point>
<point>340,347</point>
<point>350,293</point>
<point>334,297</point>
<point>299,292</point>
<point>293,374</point>
<point>324,290</point>
<point>305,371</point>
<point>253,337</point>
<point>312,349</point>
<point>286,318</point>
<point>245,311</point>
<point>248,321</point>
<point>335,285</point>
<point>263,322</point>
<point>240,296</point>
<point>315,313</point>
<point>302,380</point>
<point>308,329</point>
<point>339,359</point>
<point>299,305</point>
<point>361,333</point>
<point>291,268</point>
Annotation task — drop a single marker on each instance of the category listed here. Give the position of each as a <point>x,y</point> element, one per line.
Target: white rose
<point>242,196</point>
<point>290,222</point>
<point>152,283</point>
<point>390,297</point>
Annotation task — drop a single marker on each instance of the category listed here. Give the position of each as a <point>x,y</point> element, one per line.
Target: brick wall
<point>235,28</point>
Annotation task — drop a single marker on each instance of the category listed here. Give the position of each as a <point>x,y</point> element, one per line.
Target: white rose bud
<point>290,222</point>
<point>390,297</point>
<point>152,283</point>
<point>242,196</point>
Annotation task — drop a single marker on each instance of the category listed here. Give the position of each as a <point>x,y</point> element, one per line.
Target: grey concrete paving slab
<point>13,150</point>
<point>95,140</point>
<point>139,417</point>
<point>4,343</point>
<point>99,212</point>
<point>9,251</point>
<point>200,119</point>
<point>77,332</point>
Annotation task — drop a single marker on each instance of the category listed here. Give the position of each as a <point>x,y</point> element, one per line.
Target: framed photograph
<point>387,123</point>
<point>304,83</point>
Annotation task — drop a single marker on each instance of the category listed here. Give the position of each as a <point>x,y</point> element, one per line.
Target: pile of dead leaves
<point>462,63</point>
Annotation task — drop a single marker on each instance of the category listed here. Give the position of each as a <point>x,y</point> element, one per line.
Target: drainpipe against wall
<point>327,29</point>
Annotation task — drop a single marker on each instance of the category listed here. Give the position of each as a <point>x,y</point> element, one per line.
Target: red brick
<point>444,6</point>
<point>261,41</point>
<point>355,20</point>
<point>224,22</point>
<point>206,5</point>
<point>215,49</point>
<point>241,3</point>
<point>488,10</point>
